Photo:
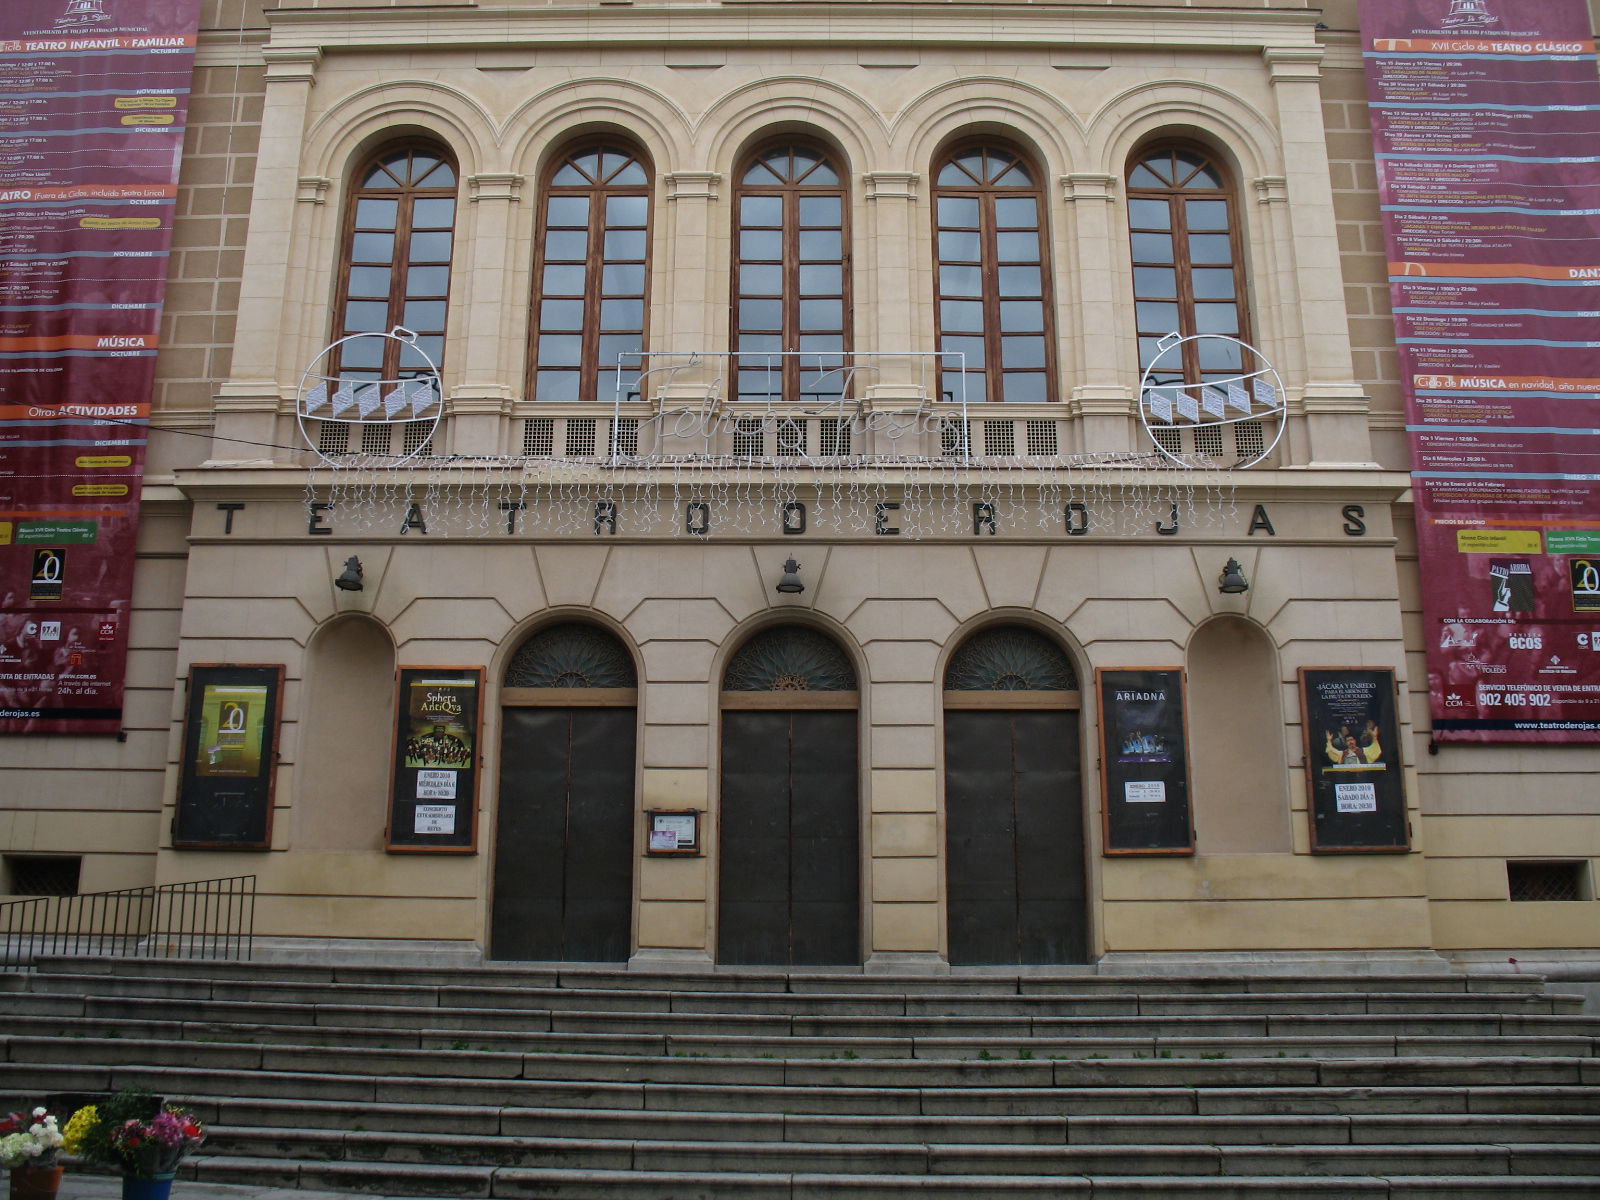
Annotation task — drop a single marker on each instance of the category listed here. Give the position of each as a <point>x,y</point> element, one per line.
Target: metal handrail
<point>206,918</point>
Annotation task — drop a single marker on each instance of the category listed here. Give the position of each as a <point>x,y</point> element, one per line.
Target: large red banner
<point>94,98</point>
<point>1486,119</point>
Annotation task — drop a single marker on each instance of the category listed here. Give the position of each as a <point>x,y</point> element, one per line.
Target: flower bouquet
<point>142,1138</point>
<point>29,1146</point>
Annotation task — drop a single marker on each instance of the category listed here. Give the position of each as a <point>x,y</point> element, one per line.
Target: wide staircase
<point>614,1085</point>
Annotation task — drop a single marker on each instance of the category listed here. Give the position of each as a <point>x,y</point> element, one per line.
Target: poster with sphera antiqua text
<point>96,102</point>
<point>434,792</point>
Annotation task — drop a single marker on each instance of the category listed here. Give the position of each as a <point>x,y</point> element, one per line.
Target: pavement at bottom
<point>102,1187</point>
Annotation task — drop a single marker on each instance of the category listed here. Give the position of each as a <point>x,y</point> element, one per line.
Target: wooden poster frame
<point>236,730</point>
<point>1366,706</point>
<point>461,686</point>
<point>1163,769</point>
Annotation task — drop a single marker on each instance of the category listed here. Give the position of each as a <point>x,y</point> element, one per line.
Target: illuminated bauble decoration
<point>1191,423</point>
<point>357,398</point>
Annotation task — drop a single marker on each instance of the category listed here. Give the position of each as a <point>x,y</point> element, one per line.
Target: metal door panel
<point>564,843</point>
<point>598,899</point>
<point>790,839</point>
<point>980,838</point>
<point>825,832</point>
<point>1015,878</point>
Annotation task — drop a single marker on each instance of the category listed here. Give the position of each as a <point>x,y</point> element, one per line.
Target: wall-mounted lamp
<point>790,583</point>
<point>1232,581</point>
<point>349,579</point>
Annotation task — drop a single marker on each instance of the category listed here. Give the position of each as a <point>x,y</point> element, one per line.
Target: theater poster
<point>1144,757</point>
<point>434,798</point>
<point>229,765</point>
<point>1486,122</point>
<point>1353,767</point>
<point>96,99</point>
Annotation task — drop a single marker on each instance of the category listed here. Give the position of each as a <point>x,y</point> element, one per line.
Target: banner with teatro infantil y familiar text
<point>94,98</point>
<point>1486,120</point>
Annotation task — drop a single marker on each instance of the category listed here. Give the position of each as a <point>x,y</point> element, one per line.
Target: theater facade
<point>882,486</point>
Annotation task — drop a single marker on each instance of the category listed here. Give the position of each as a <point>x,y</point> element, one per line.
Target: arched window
<point>994,292</point>
<point>399,231</point>
<point>591,275</point>
<point>791,289</point>
<point>1188,274</point>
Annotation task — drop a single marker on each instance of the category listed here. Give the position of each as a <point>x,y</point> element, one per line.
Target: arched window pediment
<point>1010,658</point>
<point>571,655</point>
<point>790,658</point>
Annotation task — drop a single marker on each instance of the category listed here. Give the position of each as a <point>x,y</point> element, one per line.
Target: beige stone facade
<point>292,101</point>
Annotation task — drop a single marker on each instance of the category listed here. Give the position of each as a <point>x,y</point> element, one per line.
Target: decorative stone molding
<point>494,187</point>
<point>291,64</point>
<point>1271,189</point>
<point>891,185</point>
<point>1089,186</point>
<point>692,185</point>
<point>1293,64</point>
<point>312,189</point>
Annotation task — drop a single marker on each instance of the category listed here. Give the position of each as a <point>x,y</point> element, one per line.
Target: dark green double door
<point>790,865</point>
<point>563,879</point>
<point>1014,870</point>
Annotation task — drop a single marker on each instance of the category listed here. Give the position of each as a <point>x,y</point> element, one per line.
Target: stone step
<point>936,1158</point>
<point>34,1014</point>
<point>552,1183</point>
<point>954,1036</point>
<point>815,1005</point>
<point>463,1066</point>
<point>573,1109</point>
<point>978,981</point>
<point>822,1095</point>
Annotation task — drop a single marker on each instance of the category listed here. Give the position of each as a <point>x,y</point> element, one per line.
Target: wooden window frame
<point>790,375</point>
<point>590,368</point>
<point>989,267</point>
<point>400,263</point>
<point>1182,264</point>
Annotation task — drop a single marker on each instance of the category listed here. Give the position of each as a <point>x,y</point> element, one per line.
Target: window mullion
<point>399,267</point>
<point>1183,268</point>
<point>593,272</point>
<point>994,380</point>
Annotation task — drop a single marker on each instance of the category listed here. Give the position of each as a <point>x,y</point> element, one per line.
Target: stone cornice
<point>1280,32</point>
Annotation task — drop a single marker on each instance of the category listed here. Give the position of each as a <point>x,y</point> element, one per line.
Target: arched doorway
<point>564,846</point>
<point>790,844</point>
<point>1015,884</point>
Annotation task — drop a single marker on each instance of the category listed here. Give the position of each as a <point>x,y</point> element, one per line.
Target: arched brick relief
<point>1248,138</point>
<point>354,124</point>
<point>339,141</point>
<point>781,106</point>
<point>1034,120</point>
<point>546,122</point>
<point>1245,145</point>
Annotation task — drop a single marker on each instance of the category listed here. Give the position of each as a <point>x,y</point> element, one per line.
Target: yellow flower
<point>79,1129</point>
